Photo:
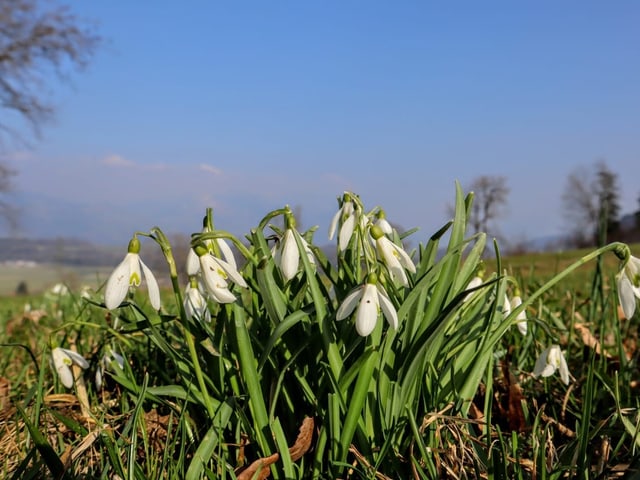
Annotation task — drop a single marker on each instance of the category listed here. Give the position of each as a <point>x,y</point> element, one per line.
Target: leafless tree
<point>591,198</point>
<point>37,41</point>
<point>489,203</point>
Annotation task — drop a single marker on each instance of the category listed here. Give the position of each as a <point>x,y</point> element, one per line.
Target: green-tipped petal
<point>62,364</point>
<point>232,272</point>
<point>334,223</point>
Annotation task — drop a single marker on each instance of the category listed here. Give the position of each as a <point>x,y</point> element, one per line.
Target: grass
<point>275,386</point>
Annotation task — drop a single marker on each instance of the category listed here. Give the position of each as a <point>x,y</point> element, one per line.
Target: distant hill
<point>63,251</point>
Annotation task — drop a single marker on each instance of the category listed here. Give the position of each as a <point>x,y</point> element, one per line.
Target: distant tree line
<point>592,210</point>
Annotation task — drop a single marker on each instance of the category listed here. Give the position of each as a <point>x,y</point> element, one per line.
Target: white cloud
<point>210,168</point>
<point>116,160</point>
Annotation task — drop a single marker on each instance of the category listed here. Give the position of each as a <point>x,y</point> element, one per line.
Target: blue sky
<point>248,106</point>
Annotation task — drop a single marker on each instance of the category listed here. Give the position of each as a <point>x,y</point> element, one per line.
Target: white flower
<point>346,217</point>
<point>215,273</point>
<point>128,274</point>
<point>369,301</point>
<point>628,281</point>
<point>473,283</point>
<point>394,257</point>
<point>59,289</point>
<point>516,301</point>
<point>105,362</point>
<point>287,256</point>
<point>62,361</point>
<point>195,303</point>
<point>193,262</point>
<point>550,360</point>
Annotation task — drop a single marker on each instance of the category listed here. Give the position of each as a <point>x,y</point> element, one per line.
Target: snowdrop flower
<point>346,217</point>
<point>521,318</point>
<point>473,283</point>
<point>628,282</point>
<point>550,360</point>
<point>195,303</point>
<point>215,273</point>
<point>105,362</point>
<point>369,301</point>
<point>62,361</point>
<point>286,253</point>
<point>128,274</point>
<point>193,261</point>
<point>394,257</point>
<point>381,221</point>
<point>59,289</point>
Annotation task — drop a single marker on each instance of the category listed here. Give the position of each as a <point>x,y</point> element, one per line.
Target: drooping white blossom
<point>345,221</point>
<point>628,283</point>
<point>287,255</point>
<point>521,318</point>
<point>393,256</point>
<point>550,360</point>
<point>368,300</point>
<point>195,303</point>
<point>129,274</point>
<point>215,272</point>
<point>63,359</point>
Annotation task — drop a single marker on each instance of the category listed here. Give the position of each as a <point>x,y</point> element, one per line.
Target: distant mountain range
<point>67,251</point>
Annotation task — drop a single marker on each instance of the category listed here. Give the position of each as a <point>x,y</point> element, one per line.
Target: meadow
<point>272,361</point>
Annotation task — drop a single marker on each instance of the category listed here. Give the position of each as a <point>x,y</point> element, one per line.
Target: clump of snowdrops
<point>282,359</point>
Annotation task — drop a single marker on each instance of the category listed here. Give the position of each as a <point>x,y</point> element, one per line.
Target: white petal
<point>290,256</point>
<point>389,310</point>
<point>152,286</point>
<point>346,231</point>
<point>222,295</point>
<point>231,271</point>
<point>542,366</point>
<point>193,263</point>
<point>307,250</point>
<point>61,363</point>
<point>405,259</point>
<point>368,309</point>
<point>563,369</point>
<point>212,273</point>
<point>384,226</point>
<point>227,253</point>
<point>506,306</point>
<point>521,317</point>
<point>117,285</point>
<point>349,304</point>
<point>76,358</point>
<point>334,223</point>
<point>626,295</point>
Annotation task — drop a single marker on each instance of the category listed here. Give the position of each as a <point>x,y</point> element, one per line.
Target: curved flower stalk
<point>368,300</point>
<point>105,363</point>
<point>550,360</point>
<point>129,274</point>
<point>195,303</point>
<point>286,253</point>
<point>215,272</point>
<point>63,359</point>
<point>394,257</point>
<point>628,283</point>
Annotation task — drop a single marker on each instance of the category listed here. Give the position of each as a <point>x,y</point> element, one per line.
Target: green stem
<point>162,240</point>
